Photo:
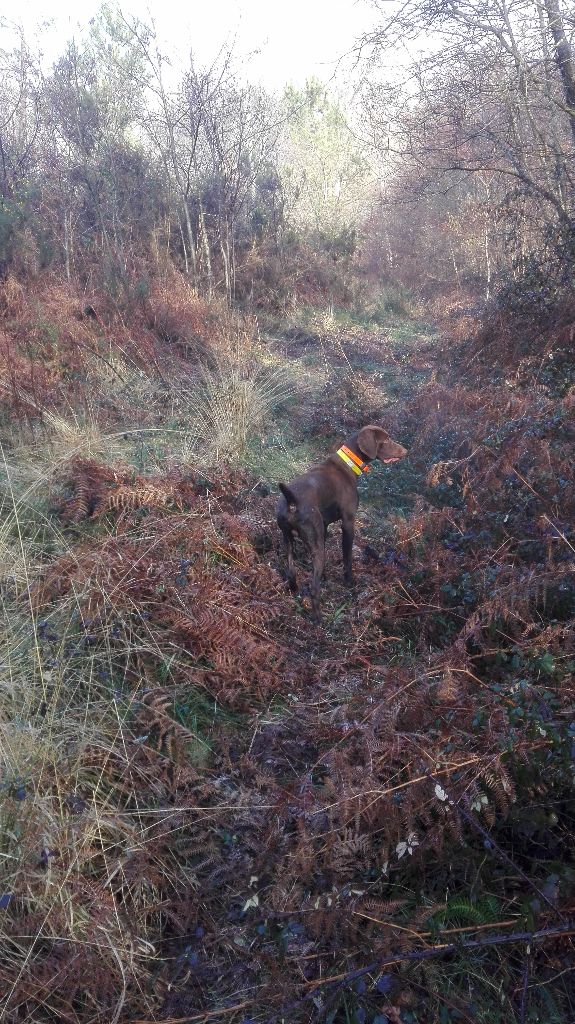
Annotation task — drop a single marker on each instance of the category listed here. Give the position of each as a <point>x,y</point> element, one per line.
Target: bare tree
<point>486,94</point>
<point>20,92</point>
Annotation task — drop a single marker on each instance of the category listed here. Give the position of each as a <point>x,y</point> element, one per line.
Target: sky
<point>277,42</point>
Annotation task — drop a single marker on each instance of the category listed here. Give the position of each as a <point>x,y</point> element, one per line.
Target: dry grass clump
<point>64,941</point>
<point>77,374</point>
<point>229,403</point>
<point>68,906</point>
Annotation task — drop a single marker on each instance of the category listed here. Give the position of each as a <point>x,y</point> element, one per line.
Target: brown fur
<point>326,494</point>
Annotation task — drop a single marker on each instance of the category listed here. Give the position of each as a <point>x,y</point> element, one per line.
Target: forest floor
<point>213,808</point>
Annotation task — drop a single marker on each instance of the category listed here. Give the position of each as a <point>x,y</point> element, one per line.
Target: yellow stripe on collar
<point>355,458</point>
<point>357,469</point>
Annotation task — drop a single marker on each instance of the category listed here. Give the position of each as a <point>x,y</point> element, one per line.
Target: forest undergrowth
<point>212,808</point>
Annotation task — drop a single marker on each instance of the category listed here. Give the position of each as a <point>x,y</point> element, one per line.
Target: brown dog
<point>326,494</point>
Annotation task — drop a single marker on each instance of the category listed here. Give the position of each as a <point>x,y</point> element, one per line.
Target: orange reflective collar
<point>352,460</point>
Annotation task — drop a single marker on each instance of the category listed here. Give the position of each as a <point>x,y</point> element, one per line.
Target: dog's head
<point>375,443</point>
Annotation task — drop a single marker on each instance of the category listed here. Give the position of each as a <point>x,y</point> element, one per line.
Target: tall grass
<point>96,785</point>
<point>229,403</point>
<point>78,920</point>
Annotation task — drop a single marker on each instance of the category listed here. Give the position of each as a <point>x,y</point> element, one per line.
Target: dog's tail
<point>289,497</point>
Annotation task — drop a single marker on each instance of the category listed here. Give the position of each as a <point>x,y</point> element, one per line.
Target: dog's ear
<point>370,438</point>
<point>288,495</point>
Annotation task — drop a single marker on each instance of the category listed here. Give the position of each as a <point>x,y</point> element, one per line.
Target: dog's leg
<point>318,562</point>
<point>288,548</point>
<point>347,532</point>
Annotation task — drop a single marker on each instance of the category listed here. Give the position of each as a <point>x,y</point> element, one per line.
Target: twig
<point>524,987</point>
<point>444,931</point>
<point>206,1015</point>
<point>419,955</point>
<point>444,949</point>
<point>559,532</point>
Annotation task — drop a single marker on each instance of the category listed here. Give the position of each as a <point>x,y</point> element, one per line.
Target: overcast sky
<point>289,41</point>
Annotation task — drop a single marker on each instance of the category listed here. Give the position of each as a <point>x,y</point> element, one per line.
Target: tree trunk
<point>67,242</point>
<point>184,247</point>
<point>206,249</point>
<point>564,58</point>
<point>226,265</point>
<point>191,242</point>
